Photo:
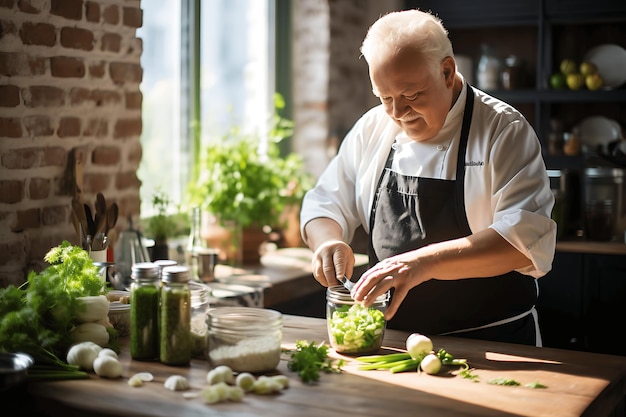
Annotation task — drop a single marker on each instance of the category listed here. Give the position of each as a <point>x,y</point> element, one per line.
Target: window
<point>223,46</point>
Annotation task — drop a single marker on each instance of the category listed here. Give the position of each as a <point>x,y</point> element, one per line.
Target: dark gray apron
<point>410,212</point>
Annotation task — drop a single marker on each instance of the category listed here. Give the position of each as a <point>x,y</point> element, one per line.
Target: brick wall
<point>69,90</point>
<point>331,83</point>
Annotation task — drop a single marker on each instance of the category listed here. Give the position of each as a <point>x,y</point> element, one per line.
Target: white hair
<point>408,28</point>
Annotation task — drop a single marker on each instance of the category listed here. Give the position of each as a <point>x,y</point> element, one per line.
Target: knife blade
<point>348,285</point>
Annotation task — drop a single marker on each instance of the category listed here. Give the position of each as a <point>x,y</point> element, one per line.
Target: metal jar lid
<point>145,270</point>
<point>176,273</point>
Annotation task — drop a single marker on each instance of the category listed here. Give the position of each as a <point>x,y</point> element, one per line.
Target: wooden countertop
<point>599,248</point>
<point>578,384</point>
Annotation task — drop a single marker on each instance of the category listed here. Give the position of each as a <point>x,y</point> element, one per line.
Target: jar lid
<point>175,273</point>
<point>142,270</point>
<point>338,293</point>
<point>162,263</point>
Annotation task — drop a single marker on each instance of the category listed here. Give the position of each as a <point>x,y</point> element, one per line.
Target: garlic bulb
<point>176,383</point>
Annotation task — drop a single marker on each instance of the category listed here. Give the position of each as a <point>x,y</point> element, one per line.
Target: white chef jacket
<point>506,182</point>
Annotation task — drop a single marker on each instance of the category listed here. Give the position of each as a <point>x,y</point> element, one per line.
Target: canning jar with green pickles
<point>175,316</point>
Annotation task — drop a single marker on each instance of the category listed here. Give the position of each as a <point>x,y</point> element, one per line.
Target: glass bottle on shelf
<point>194,242</point>
<point>488,73</point>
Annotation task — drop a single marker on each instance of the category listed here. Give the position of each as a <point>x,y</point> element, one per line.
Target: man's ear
<point>449,70</point>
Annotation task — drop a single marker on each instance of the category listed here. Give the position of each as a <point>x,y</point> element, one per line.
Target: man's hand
<point>332,259</point>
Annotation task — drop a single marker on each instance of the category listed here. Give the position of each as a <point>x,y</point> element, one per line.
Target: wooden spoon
<point>111,217</point>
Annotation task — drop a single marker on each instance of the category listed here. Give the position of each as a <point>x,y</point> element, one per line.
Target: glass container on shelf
<point>488,72</point>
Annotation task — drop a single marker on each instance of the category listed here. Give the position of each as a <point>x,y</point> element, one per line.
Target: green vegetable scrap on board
<point>357,328</point>
<point>37,317</point>
<point>310,359</point>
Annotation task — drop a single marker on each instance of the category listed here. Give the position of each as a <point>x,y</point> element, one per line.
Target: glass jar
<point>488,72</point>
<point>353,328</point>
<point>200,296</point>
<point>144,311</point>
<point>600,220</point>
<point>247,339</point>
<point>175,316</point>
<point>513,73</point>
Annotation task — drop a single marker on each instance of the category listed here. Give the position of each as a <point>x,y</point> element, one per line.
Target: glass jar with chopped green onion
<point>353,328</point>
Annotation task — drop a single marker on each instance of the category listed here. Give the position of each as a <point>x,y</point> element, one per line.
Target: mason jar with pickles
<point>175,316</point>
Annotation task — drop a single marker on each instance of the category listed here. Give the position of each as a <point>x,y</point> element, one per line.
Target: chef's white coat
<point>506,183</point>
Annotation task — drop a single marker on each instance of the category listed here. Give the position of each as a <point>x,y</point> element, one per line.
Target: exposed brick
<point>66,67</point>
<point>27,6</point>
<point>38,34</point>
<point>94,183</point>
<point>26,219</point>
<point>92,11</point>
<point>110,42</point>
<point>69,127</point>
<point>134,100</point>
<point>39,188</point>
<point>11,191</point>
<point>21,64</point>
<point>79,95</point>
<point>134,154</point>
<point>125,128</point>
<point>126,180</point>
<point>111,15</point>
<point>106,155</point>
<point>97,70</point>
<point>54,215</point>
<point>21,158</point>
<point>122,72</point>
<point>132,16</point>
<point>106,98</point>
<point>10,127</point>
<point>7,27</point>
<point>7,4</point>
<point>38,126</point>
<point>96,127</point>
<point>9,95</point>
<point>77,38</point>
<point>70,9</point>
<point>11,251</point>
<point>43,96</point>
<point>54,156</point>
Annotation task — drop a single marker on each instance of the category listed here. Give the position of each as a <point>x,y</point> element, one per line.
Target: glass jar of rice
<point>247,339</point>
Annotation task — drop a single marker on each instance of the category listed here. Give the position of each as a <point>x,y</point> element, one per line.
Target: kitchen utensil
<point>14,369</point>
<point>129,250</point>
<point>348,285</point>
<point>610,59</point>
<point>111,217</point>
<point>91,224</point>
<point>79,211</point>
<point>101,209</point>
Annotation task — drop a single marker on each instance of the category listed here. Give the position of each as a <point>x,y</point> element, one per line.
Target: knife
<point>348,285</point>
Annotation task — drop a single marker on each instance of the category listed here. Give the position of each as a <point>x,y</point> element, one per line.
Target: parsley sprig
<point>310,359</point>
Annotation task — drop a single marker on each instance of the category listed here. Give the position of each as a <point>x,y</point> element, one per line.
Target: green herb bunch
<point>310,359</point>
<point>38,316</point>
<point>238,183</point>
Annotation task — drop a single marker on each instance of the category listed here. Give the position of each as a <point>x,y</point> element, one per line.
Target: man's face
<point>416,99</point>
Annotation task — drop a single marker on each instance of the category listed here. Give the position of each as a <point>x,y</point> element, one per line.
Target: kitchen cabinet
<point>581,303</point>
<point>542,33</point>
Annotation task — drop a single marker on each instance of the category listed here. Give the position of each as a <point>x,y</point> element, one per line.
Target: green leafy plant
<point>237,183</point>
<point>162,224</point>
<point>37,318</point>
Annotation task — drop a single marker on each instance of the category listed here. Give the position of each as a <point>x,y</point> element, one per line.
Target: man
<point>450,185</point>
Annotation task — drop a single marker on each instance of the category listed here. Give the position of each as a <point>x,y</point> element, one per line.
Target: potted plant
<point>245,188</point>
<point>162,225</point>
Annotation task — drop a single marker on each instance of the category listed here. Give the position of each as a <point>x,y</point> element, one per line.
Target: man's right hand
<point>332,259</point>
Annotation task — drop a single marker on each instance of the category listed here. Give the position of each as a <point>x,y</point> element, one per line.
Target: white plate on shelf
<point>611,62</point>
<point>598,131</point>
